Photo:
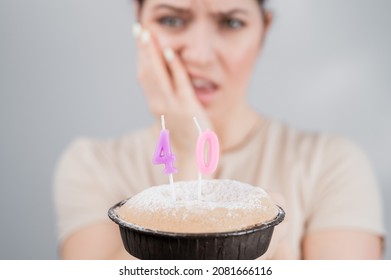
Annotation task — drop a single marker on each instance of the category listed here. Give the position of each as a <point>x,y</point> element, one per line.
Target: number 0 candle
<point>164,156</point>
<point>206,166</point>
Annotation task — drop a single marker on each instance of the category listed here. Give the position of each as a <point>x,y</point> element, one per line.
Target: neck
<point>235,126</point>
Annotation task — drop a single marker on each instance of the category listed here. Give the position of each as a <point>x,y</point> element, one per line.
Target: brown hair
<point>261,2</point>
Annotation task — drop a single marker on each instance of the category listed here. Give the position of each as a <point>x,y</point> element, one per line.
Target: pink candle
<point>209,166</point>
<point>163,155</point>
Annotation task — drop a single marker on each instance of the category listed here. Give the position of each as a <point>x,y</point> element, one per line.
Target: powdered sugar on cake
<point>227,194</point>
<point>225,205</point>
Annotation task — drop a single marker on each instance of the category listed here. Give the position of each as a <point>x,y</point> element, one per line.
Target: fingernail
<point>168,54</point>
<point>137,29</point>
<point>145,36</point>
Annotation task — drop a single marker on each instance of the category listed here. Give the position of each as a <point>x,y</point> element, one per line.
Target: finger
<point>181,80</point>
<point>184,88</point>
<point>151,66</point>
<point>137,29</point>
<point>152,71</point>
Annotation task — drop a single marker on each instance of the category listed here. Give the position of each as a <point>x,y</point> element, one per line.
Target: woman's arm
<point>345,210</point>
<point>98,241</point>
<point>342,244</point>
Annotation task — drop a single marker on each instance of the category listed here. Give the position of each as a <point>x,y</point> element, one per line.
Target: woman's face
<point>218,42</point>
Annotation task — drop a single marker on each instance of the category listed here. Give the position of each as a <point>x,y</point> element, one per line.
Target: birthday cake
<point>201,219</point>
<point>222,206</point>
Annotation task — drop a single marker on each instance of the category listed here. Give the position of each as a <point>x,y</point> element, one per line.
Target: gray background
<point>67,68</point>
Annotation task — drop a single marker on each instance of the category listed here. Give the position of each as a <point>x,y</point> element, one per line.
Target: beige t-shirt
<point>326,180</point>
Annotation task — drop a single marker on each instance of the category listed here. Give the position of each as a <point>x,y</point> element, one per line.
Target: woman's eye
<point>232,23</point>
<point>174,22</point>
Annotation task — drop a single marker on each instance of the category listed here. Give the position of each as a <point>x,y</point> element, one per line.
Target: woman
<point>195,58</point>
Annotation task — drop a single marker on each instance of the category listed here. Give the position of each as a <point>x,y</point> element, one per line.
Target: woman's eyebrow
<point>178,10</point>
<point>230,12</point>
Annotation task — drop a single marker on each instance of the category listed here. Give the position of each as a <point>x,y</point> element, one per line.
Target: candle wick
<point>199,185</point>
<point>163,122</point>
<point>170,177</point>
<point>199,173</point>
<point>197,125</point>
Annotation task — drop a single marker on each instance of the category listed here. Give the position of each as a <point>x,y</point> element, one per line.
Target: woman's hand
<point>169,91</point>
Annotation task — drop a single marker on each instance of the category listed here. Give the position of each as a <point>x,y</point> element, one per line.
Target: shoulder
<point>86,153</point>
<point>336,179</point>
<point>93,174</point>
<point>313,145</point>
<point>322,161</point>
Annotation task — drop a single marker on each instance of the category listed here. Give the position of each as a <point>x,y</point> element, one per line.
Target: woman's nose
<point>198,48</point>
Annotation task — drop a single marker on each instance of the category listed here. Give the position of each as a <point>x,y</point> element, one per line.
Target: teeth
<point>199,83</point>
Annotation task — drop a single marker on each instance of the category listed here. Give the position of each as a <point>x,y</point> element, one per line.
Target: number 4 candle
<point>209,166</point>
<point>164,156</point>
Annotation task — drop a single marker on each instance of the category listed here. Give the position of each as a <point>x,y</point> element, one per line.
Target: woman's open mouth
<point>205,90</point>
